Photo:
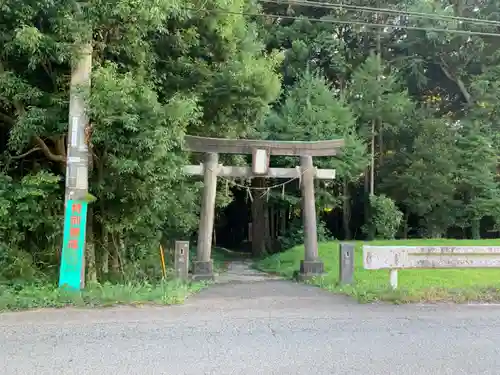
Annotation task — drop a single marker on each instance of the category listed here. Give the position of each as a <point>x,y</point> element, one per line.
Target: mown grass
<point>456,285</point>
<point>22,297</point>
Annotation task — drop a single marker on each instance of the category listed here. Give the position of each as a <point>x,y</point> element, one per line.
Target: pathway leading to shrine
<point>241,271</point>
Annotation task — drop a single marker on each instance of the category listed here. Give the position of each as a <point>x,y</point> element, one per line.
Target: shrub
<point>385,217</point>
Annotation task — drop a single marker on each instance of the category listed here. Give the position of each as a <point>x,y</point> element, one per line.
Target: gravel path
<point>262,327</point>
<point>242,272</point>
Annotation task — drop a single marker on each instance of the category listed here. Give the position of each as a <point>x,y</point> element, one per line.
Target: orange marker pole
<point>162,256</point>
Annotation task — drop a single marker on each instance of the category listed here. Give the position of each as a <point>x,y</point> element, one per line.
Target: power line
<point>318,4</point>
<point>349,22</point>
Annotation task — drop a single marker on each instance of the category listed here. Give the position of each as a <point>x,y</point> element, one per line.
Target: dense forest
<point>412,86</point>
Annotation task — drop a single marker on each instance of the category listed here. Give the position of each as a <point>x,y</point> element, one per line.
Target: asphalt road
<point>270,327</point>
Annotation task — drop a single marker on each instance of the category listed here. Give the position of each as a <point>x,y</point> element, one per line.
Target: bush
<point>30,224</point>
<point>385,217</point>
<point>295,235</point>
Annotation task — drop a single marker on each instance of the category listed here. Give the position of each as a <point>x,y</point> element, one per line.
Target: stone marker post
<point>181,260</point>
<point>346,263</point>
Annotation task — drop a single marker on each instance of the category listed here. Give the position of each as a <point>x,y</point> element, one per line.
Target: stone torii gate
<point>261,152</point>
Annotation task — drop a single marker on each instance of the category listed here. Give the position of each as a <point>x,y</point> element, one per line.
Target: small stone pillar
<point>311,265</point>
<point>346,263</point>
<point>181,260</point>
<point>203,265</point>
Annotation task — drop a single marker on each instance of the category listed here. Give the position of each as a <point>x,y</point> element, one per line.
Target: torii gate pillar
<point>203,265</point>
<point>311,265</point>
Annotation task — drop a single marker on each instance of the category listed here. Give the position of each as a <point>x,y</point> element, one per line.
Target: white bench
<point>403,257</point>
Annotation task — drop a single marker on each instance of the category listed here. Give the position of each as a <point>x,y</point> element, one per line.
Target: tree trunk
<point>115,261</point>
<point>380,148</point>
<point>405,224</point>
<point>114,257</point>
<point>372,160</point>
<point>346,210</point>
<point>260,219</point>
<point>375,124</point>
<point>367,208</point>
<point>104,248</point>
<point>405,227</point>
<point>476,229</point>
<point>272,226</point>
<point>104,254</point>
<point>376,121</point>
<point>90,247</point>
<point>283,220</point>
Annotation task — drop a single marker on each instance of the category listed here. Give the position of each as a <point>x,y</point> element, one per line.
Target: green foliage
<point>385,217</point>
<point>30,224</point>
<point>476,176</point>
<point>295,234</point>
<point>219,57</point>
<point>377,95</point>
<point>423,175</point>
<point>139,140</point>
<point>311,111</point>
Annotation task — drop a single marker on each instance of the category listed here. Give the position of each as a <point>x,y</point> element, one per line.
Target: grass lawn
<point>457,285</point>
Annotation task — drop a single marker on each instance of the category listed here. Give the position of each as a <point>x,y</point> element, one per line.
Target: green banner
<point>72,271</point>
